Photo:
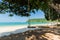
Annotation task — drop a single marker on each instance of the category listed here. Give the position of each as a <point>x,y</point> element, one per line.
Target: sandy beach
<point>6,30</point>
<point>19,32</point>
<point>38,34</point>
<point>11,28</point>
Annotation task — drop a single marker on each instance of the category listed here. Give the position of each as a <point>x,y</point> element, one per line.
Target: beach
<point>22,32</point>
<point>38,34</point>
<point>7,30</point>
<point>16,27</point>
<point>11,28</point>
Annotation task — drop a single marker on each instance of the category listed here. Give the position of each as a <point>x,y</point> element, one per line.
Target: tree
<point>20,7</point>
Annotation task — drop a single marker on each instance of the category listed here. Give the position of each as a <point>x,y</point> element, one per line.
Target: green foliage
<point>37,20</point>
<point>23,7</point>
<point>41,20</point>
<point>20,7</point>
<point>52,15</point>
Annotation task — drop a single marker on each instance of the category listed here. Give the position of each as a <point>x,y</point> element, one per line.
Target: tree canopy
<point>23,7</point>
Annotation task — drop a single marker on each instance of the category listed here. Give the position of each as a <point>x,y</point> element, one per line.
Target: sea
<point>19,23</point>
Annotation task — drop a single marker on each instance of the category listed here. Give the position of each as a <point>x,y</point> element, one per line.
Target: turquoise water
<point>19,23</point>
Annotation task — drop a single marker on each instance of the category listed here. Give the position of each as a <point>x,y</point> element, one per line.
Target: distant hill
<point>37,20</point>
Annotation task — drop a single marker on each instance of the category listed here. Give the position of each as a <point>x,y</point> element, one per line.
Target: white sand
<point>11,28</point>
<point>4,29</point>
<point>7,30</point>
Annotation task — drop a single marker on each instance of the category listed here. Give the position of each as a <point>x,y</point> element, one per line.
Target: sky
<point>7,18</point>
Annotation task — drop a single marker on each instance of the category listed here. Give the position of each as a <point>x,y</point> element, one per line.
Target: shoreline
<point>16,27</point>
<point>7,30</point>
